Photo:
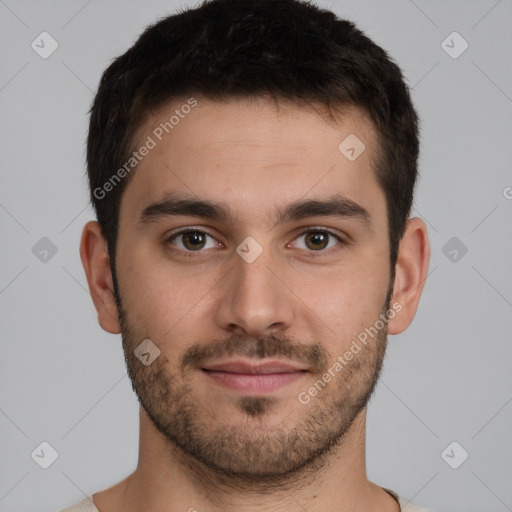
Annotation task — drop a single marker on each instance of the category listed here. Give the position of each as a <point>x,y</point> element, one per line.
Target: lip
<point>264,368</point>
<point>247,377</point>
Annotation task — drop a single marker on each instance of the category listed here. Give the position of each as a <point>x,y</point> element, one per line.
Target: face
<point>252,253</point>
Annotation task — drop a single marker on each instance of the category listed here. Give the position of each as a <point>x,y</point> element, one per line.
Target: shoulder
<point>406,506</point>
<point>86,505</point>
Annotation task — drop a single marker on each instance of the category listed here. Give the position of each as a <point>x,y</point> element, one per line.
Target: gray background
<point>447,378</point>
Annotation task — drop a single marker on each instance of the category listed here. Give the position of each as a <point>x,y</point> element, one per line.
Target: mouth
<point>246,377</point>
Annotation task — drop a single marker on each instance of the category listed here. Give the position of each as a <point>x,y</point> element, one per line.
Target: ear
<point>96,263</point>
<point>410,273</point>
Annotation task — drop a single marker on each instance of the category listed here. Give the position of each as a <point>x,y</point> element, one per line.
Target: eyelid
<point>169,237</point>
<point>335,234</point>
<point>342,240</point>
<point>188,229</point>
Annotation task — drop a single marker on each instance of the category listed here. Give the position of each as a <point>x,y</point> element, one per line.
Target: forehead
<point>253,153</point>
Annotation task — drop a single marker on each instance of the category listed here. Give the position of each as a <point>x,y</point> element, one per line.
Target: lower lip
<point>254,383</point>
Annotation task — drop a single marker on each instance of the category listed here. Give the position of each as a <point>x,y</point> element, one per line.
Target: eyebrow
<point>335,206</point>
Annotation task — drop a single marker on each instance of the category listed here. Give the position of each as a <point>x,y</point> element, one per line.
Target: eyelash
<point>310,253</point>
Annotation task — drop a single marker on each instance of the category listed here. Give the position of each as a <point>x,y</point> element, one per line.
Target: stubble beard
<point>252,449</point>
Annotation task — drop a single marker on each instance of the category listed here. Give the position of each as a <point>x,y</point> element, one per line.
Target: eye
<point>316,240</point>
<point>193,240</point>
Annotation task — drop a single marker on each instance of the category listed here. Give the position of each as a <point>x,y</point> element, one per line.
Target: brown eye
<point>193,240</point>
<point>317,240</point>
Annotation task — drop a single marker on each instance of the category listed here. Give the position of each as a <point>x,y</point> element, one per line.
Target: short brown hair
<point>288,49</point>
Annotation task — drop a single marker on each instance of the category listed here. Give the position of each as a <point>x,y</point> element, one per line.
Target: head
<point>266,218</point>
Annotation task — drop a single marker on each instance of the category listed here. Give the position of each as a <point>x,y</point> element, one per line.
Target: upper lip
<point>244,367</point>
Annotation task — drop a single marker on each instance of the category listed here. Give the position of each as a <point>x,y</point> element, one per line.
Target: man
<point>252,166</point>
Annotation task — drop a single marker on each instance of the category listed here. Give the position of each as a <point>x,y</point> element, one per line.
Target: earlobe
<point>410,274</point>
<point>96,263</point>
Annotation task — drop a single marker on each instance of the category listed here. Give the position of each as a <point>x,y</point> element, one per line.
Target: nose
<point>254,298</point>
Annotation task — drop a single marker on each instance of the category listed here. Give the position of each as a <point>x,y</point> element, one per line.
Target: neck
<point>168,480</point>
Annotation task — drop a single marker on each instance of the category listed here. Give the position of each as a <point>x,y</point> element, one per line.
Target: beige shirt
<point>87,505</point>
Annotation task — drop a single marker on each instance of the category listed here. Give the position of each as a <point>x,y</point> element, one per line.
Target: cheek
<point>157,299</point>
<point>349,298</point>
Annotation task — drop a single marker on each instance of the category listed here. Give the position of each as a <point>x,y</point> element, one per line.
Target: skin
<point>207,447</point>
